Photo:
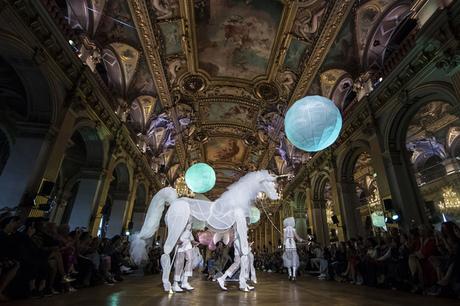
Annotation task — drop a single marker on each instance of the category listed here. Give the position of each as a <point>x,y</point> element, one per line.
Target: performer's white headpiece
<point>289,222</point>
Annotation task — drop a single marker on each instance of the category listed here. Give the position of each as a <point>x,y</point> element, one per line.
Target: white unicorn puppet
<point>231,209</point>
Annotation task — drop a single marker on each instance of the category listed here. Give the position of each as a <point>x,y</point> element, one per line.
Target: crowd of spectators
<point>422,261</point>
<point>39,258</point>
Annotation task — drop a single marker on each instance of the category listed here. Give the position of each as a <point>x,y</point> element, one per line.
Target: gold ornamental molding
<point>139,12</point>
<point>333,26</point>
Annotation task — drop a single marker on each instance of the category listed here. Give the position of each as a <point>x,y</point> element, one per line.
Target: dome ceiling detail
<point>211,80</point>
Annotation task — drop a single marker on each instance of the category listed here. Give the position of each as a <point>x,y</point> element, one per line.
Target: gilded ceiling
<point>210,80</point>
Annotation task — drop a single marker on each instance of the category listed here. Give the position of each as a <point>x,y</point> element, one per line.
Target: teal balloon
<point>200,178</point>
<point>313,123</point>
<point>254,215</point>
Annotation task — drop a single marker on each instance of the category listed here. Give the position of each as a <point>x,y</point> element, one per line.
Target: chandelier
<point>450,202</point>
<point>182,189</point>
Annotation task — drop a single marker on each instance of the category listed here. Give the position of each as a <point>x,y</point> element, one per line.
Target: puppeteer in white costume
<point>290,256</point>
<point>183,265</point>
<point>231,210</point>
<point>241,261</point>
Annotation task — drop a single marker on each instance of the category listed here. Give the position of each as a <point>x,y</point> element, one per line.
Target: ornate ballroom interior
<point>103,103</point>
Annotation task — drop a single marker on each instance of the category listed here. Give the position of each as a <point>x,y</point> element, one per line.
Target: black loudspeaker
<point>388,204</point>
<point>46,188</point>
<point>334,219</point>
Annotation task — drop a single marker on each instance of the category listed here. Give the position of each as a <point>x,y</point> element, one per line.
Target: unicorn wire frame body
<point>231,209</point>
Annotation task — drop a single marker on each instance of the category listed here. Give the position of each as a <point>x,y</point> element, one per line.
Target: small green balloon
<point>254,215</point>
<point>200,178</point>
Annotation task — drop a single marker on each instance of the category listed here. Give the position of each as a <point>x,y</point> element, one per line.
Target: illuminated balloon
<point>200,178</point>
<point>378,219</point>
<point>254,215</point>
<point>206,238</point>
<point>313,123</point>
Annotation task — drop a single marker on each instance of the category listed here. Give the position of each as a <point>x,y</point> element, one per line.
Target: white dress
<point>290,256</point>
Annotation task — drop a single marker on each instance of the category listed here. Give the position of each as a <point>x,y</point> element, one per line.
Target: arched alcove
<point>118,193</point>
<point>432,147</point>
<point>80,177</point>
<point>26,104</point>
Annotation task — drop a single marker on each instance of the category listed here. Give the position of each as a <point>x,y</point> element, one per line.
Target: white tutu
<point>290,258</point>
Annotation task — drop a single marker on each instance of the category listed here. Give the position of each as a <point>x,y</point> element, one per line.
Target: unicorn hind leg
<point>176,220</point>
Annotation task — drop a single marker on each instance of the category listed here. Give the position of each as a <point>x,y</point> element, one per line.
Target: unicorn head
<point>268,184</point>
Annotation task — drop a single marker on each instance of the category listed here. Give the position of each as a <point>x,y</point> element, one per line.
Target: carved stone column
<point>337,200</point>
<point>320,227</point>
<point>118,212</point>
<point>103,193</point>
<point>347,194</point>
<point>405,193</point>
<point>85,200</point>
<point>131,201</point>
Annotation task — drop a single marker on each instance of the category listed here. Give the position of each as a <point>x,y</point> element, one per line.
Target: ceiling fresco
<point>225,150</point>
<point>235,37</point>
<point>210,80</point>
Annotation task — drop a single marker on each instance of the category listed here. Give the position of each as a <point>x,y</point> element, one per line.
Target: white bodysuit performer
<point>290,256</point>
<point>184,255</point>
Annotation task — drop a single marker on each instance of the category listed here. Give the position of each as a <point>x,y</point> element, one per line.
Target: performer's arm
<point>297,237</point>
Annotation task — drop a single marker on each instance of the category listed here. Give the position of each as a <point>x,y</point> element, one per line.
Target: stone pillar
<point>56,153</point>
<point>309,206</point>
<point>84,203</point>
<point>138,220</point>
<point>266,236</point>
<point>301,224</point>
<point>117,214</point>
<point>320,227</point>
<point>131,202</point>
<point>337,208</point>
<point>347,194</point>
<point>405,192</point>
<point>102,196</point>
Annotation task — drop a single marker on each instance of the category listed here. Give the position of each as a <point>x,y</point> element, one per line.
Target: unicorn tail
<point>139,245</point>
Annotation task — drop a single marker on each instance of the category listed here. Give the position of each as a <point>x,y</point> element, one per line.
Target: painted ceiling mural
<point>210,80</point>
<point>235,37</point>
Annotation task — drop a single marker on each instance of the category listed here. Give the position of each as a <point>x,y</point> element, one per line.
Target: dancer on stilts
<point>290,256</point>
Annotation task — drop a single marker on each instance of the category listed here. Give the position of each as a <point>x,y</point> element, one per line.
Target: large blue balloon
<point>200,178</point>
<point>313,123</point>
